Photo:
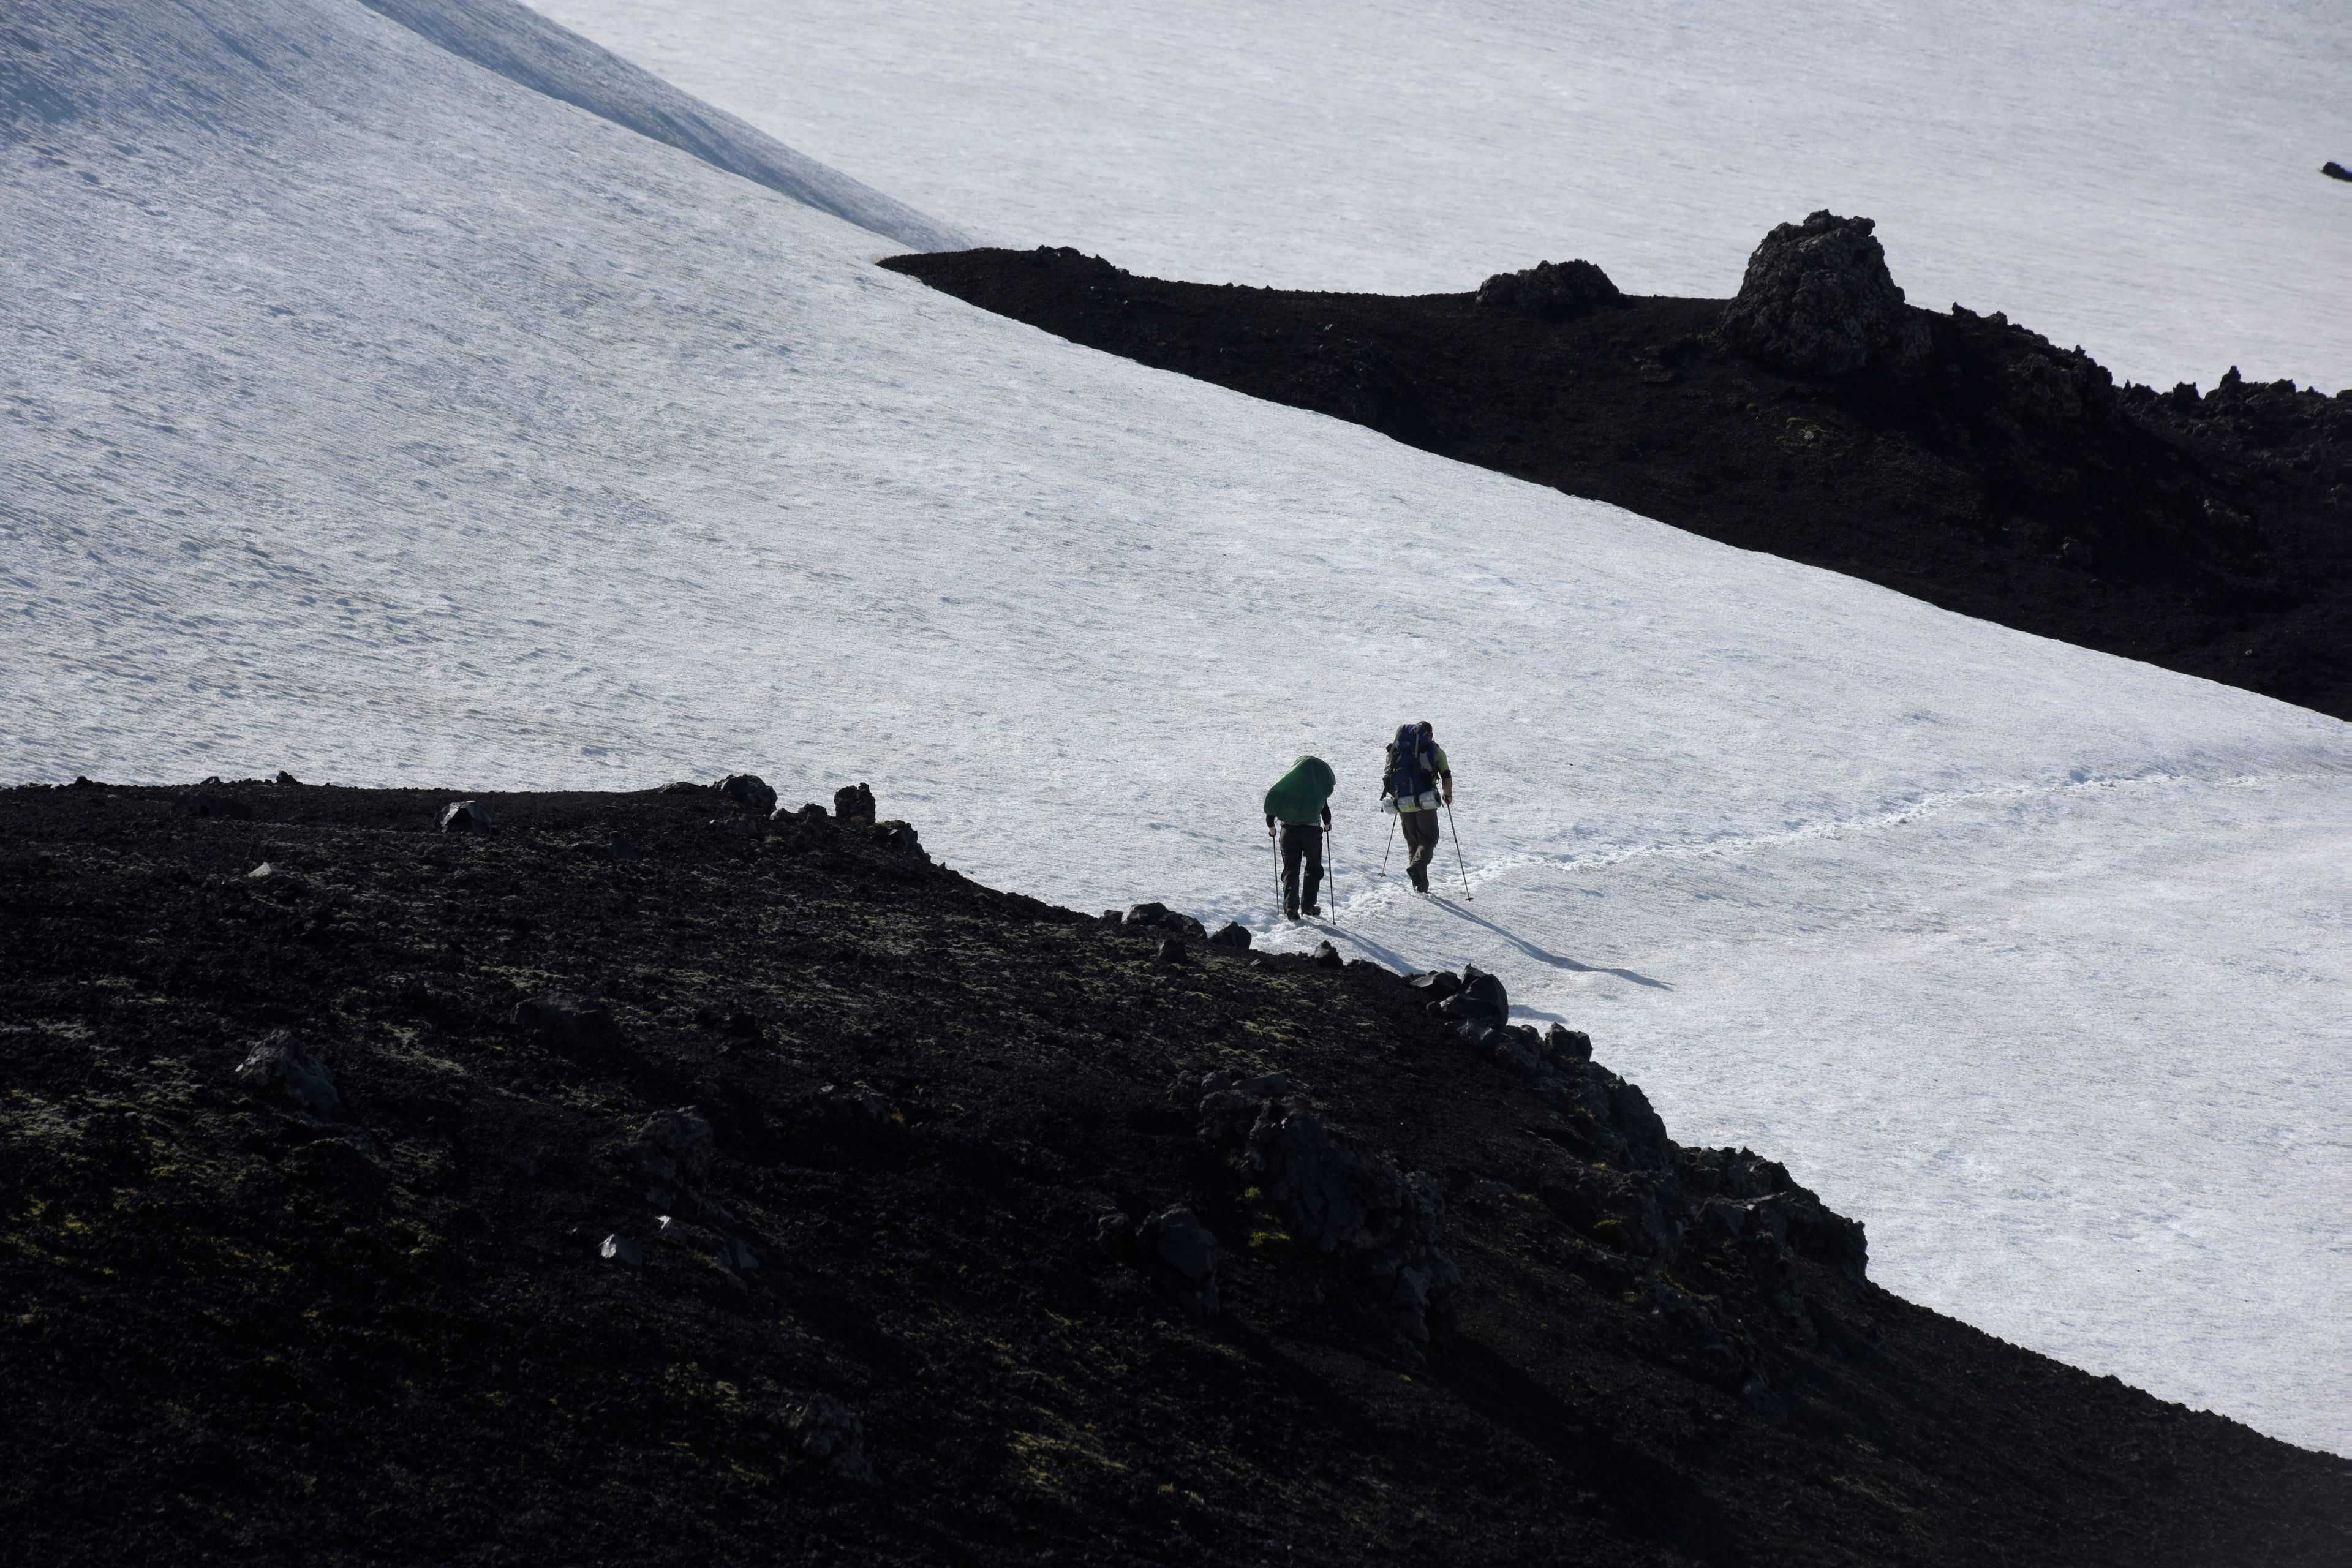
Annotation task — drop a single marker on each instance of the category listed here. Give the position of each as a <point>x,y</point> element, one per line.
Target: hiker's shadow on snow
<point>1540,956</point>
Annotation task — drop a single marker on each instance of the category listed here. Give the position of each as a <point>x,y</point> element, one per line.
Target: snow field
<point>2104,1021</point>
<point>366,414</point>
<point>2140,178</point>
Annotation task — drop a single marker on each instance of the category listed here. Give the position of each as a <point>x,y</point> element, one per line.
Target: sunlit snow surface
<point>2138,176</point>
<point>363,414</point>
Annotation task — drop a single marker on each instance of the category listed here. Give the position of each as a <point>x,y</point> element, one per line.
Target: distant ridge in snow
<point>525,47</point>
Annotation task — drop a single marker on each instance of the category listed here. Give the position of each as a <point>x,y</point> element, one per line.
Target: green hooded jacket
<point>1300,794</point>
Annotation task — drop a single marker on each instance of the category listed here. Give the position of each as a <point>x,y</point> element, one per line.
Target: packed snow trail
<point>366,413</point>
<point>2141,180</point>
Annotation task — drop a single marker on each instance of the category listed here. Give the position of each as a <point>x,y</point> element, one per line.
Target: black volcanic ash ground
<point>882,1326</point>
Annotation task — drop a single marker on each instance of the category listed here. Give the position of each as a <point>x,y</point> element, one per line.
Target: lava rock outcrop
<point>1817,299</point>
<point>1551,291</point>
<point>1957,457</point>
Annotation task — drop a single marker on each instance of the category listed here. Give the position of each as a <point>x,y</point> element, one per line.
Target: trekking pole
<point>1391,844</point>
<point>1279,910</point>
<point>1466,894</point>
<point>1332,875</point>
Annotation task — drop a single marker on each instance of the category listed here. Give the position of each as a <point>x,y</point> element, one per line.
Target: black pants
<point>1300,844</point>
<point>1421,843</point>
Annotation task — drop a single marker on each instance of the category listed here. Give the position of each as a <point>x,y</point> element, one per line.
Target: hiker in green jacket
<point>1300,801</point>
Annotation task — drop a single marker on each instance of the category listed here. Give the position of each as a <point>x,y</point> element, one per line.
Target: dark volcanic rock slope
<point>632,1179</point>
<point>1968,461</point>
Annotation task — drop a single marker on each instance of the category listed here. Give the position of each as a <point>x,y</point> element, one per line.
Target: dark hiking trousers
<point>1300,844</point>
<point>1421,844</point>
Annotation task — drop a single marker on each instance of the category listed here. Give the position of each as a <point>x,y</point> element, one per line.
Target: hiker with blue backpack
<point>1300,801</point>
<point>1418,781</point>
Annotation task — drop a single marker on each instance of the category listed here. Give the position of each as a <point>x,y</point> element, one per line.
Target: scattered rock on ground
<point>279,1067</point>
<point>854,802</point>
<point>1233,934</point>
<point>1556,291</point>
<point>1565,1044</point>
<point>1617,1116</point>
<point>1230,1104</point>
<point>1160,917</point>
<point>618,1248</point>
<point>1521,1049</point>
<point>1346,1198</point>
<point>1818,301</point>
<point>204,803</point>
<point>1327,956</point>
<point>748,791</point>
<point>1479,996</point>
<point>1741,1195</point>
<point>1439,984</point>
<point>901,836</point>
<point>675,1148</point>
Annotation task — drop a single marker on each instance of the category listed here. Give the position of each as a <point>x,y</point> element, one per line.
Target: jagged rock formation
<point>1818,301</point>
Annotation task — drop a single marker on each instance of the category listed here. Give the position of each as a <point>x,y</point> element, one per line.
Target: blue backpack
<point>1413,765</point>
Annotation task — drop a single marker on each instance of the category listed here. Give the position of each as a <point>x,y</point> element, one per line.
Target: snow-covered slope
<point>2140,178</point>
<point>366,413</point>
<point>522,46</point>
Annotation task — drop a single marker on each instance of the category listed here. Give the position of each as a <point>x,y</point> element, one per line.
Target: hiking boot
<point>1290,914</point>
<point>1420,878</point>
<point>1311,909</point>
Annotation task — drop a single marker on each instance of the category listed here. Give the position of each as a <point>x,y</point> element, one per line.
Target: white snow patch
<point>521,44</point>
